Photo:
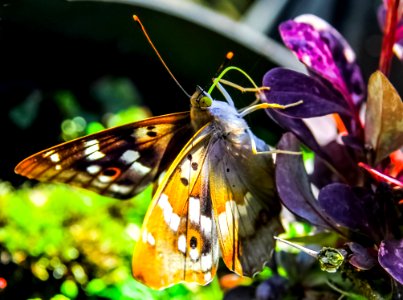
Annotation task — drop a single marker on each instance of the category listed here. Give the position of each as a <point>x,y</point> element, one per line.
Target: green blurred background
<point>70,68</point>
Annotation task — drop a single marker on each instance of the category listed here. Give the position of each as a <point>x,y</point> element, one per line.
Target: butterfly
<point>216,196</point>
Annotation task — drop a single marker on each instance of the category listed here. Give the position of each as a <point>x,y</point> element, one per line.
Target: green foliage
<point>76,241</point>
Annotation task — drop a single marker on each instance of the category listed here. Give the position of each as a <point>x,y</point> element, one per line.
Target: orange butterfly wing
<point>178,241</point>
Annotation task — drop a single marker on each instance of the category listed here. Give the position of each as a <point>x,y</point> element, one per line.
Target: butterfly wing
<point>178,240</point>
<point>118,162</point>
<point>245,202</point>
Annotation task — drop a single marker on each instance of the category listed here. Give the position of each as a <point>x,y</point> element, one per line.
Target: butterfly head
<point>201,99</point>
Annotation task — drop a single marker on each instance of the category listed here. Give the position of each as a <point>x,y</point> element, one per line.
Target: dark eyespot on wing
<point>151,133</point>
<point>193,242</point>
<point>184,181</point>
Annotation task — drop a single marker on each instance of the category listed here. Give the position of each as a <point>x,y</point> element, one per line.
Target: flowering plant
<point>357,170</point>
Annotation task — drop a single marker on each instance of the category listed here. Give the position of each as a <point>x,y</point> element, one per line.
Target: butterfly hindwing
<point>118,162</point>
<point>246,205</point>
<point>179,239</point>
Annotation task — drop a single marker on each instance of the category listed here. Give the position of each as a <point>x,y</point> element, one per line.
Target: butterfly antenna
<point>137,19</point>
<point>225,63</point>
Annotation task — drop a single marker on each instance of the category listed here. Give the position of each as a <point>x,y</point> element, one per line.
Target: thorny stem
<point>385,60</point>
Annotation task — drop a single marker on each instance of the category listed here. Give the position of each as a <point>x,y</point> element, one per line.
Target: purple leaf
<point>353,208</point>
<point>318,101</point>
<point>390,256</point>
<point>361,257</point>
<point>312,51</point>
<point>299,128</point>
<point>343,57</point>
<point>340,159</point>
<point>293,185</point>
<point>287,87</point>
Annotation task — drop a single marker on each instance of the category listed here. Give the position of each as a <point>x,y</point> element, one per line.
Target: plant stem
<point>388,41</point>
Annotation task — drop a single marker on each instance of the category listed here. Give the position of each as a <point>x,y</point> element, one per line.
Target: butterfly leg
<point>274,151</point>
<point>254,105</point>
<point>253,108</point>
<point>249,109</point>
<point>257,90</point>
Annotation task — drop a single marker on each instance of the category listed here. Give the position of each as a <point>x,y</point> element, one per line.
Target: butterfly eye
<point>205,102</point>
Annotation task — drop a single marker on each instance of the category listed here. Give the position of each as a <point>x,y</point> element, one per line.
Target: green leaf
<point>384,117</point>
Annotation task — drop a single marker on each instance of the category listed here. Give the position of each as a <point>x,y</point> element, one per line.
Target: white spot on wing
<point>50,152</point>
<point>130,156</point>
<point>194,210</point>
<point>206,262</point>
<point>166,207</point>
<point>140,169</point>
<point>207,276</point>
<point>144,236</point>
<point>92,150</point>
<point>174,224</point>
<point>205,224</point>
<point>150,239</point>
<point>222,223</point>
<point>172,219</point>
<point>104,178</point>
<point>55,157</point>
<point>90,143</point>
<point>93,169</point>
<point>122,189</point>
<point>225,220</point>
<point>96,155</point>
<point>182,243</point>
<point>194,254</point>
<point>58,167</point>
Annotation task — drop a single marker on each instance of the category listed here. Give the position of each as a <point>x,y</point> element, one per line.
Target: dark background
<point>52,46</point>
